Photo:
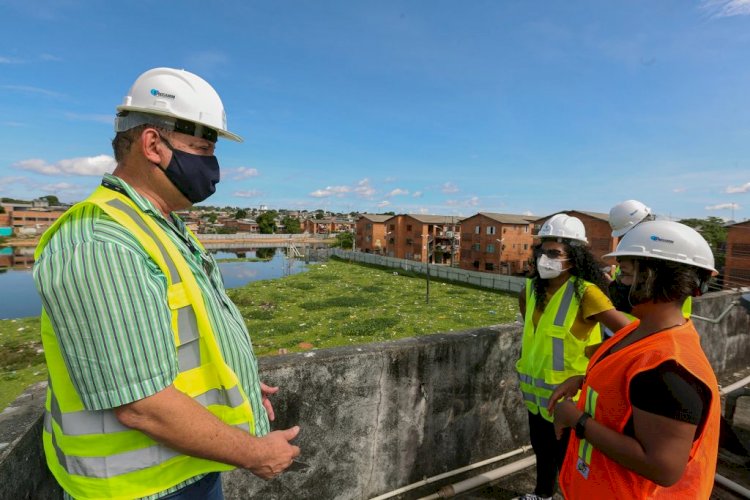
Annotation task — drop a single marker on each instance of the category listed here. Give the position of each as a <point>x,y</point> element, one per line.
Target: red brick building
<point>496,243</point>
<point>597,227</point>
<point>737,264</point>
<point>423,238</point>
<point>327,226</point>
<point>370,233</point>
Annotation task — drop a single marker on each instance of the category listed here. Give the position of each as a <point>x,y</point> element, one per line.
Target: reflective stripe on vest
<point>585,448</point>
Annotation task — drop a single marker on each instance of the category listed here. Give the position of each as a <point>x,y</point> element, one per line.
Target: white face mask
<point>549,268</point>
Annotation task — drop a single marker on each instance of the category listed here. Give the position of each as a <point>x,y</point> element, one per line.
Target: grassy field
<point>331,304</point>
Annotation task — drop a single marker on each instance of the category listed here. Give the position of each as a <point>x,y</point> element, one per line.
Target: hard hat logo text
<point>156,93</point>
<point>663,240</point>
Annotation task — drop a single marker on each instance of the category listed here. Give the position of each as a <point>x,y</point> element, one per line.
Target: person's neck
<point>143,185</point>
<point>655,317</point>
<point>555,283</point>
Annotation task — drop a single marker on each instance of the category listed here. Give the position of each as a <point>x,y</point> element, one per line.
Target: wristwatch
<point>581,425</point>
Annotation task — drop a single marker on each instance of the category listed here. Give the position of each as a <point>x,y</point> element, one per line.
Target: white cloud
<point>26,89</point>
<point>724,206</point>
<point>14,124</point>
<point>247,194</point>
<point>449,187</point>
<point>9,181</point>
<point>50,57</point>
<point>383,203</point>
<point>416,194</point>
<point>398,192</point>
<point>330,191</point>
<point>389,179</point>
<point>744,188</point>
<point>727,8</point>
<point>240,173</point>
<point>468,202</point>
<point>63,187</point>
<point>527,212</point>
<point>679,190</point>
<point>423,210</point>
<point>9,60</point>
<point>91,165</point>
<point>364,189</point>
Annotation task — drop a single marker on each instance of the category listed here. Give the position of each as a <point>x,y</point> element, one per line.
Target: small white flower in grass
<point>21,329</point>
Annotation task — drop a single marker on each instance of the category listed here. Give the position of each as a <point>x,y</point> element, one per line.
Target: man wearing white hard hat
<point>647,422</point>
<point>154,386</point>
<point>563,305</point>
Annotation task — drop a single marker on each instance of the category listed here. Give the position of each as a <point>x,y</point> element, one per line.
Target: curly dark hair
<point>665,281</point>
<point>584,267</point>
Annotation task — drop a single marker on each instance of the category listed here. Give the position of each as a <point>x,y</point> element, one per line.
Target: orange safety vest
<point>587,472</point>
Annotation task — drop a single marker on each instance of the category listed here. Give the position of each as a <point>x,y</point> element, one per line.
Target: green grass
<point>21,357</point>
<point>332,304</point>
<point>339,303</point>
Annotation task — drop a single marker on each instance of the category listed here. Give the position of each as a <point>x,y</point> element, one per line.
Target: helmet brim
<point>654,254</point>
<point>150,111</point>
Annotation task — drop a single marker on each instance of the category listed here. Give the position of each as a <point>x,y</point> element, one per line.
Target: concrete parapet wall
<point>378,416</point>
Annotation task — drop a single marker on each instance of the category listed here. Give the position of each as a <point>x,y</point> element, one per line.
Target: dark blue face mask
<point>195,176</point>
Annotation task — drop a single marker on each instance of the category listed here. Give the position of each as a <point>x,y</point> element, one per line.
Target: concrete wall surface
<point>376,417</point>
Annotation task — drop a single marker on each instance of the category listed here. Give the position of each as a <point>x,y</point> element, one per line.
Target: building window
<point>476,264</point>
<point>477,229</point>
<point>368,226</point>
<point>489,266</point>
<point>525,229</point>
<point>409,241</point>
<point>367,239</point>
<point>476,246</point>
<point>505,230</point>
<point>525,246</point>
<point>391,227</point>
<point>408,227</point>
<point>490,229</point>
<point>490,248</point>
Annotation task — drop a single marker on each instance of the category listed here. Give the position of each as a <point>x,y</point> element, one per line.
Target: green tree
<point>319,214</point>
<point>344,240</point>
<point>388,213</point>
<point>2,210</point>
<point>226,230</point>
<point>241,214</point>
<point>51,199</point>
<point>713,230</point>
<point>266,222</point>
<point>212,217</point>
<point>265,253</point>
<point>291,225</point>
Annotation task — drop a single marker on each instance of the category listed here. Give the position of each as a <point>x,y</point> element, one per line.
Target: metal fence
<point>258,236</point>
<point>484,280</point>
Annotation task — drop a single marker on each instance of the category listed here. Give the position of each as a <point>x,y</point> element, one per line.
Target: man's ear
<point>151,146</point>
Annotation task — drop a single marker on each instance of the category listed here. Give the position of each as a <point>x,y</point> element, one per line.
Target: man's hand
<point>567,389</point>
<point>275,453</point>
<point>566,415</point>
<point>266,391</point>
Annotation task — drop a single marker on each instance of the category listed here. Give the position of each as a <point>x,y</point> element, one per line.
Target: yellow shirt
<point>593,302</point>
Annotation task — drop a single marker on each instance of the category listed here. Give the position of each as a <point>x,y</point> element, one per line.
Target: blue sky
<point>412,106</point>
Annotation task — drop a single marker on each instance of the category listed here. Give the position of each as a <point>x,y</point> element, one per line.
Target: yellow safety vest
<point>90,453</point>
<point>687,306</point>
<point>550,354</point>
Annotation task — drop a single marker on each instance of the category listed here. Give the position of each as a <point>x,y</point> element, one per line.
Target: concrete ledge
<point>378,416</point>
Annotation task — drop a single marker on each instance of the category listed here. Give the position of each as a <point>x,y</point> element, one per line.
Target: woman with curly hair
<point>562,305</point>
<point>647,423</point>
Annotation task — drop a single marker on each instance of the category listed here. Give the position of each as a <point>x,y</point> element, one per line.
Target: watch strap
<point>580,427</point>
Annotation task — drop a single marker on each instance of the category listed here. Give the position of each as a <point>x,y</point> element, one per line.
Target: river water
<point>18,297</point>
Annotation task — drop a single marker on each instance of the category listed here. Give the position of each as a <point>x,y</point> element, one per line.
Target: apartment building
<point>597,227</point>
<point>737,263</point>
<point>327,226</point>
<point>424,238</point>
<point>370,233</point>
<point>497,243</point>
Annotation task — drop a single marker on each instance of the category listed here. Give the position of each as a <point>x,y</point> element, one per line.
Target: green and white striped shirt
<point>107,302</point>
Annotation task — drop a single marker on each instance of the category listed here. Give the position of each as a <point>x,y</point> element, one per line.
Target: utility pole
<point>427,298</point>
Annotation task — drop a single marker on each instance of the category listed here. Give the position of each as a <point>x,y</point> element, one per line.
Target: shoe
<point>531,496</point>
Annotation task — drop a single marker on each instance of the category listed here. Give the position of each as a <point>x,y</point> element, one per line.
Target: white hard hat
<point>666,240</point>
<point>624,216</point>
<point>175,96</point>
<point>563,226</point>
